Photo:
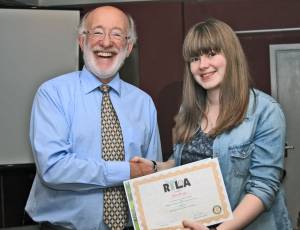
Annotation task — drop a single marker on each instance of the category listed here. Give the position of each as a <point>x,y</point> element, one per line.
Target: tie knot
<point>104,88</point>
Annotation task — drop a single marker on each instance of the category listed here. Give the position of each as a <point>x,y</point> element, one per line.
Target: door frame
<point>275,50</point>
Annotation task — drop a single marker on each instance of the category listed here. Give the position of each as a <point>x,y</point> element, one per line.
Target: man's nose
<point>106,41</point>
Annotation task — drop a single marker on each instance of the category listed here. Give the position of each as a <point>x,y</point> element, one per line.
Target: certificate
<point>194,191</point>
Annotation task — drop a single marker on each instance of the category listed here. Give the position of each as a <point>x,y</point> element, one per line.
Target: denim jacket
<point>251,158</point>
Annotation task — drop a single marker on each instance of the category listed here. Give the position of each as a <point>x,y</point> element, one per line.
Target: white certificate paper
<point>194,191</point>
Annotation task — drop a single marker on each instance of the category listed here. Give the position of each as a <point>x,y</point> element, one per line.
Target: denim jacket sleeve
<point>268,154</point>
<point>177,149</point>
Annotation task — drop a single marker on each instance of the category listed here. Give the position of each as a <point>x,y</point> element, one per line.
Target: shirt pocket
<point>241,158</point>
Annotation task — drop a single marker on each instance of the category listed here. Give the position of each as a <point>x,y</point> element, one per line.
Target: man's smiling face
<point>104,44</point>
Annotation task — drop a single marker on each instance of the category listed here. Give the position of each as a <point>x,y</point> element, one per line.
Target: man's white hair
<point>132,35</point>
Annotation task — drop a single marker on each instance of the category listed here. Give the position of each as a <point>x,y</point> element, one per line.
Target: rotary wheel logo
<point>217,209</point>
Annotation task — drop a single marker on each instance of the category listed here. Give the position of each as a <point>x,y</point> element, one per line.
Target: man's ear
<point>129,49</point>
<point>81,41</point>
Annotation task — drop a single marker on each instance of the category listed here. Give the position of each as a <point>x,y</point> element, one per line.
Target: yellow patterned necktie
<point>115,203</point>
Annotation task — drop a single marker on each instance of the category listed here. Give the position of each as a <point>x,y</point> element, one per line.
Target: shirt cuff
<point>262,191</point>
<point>117,172</point>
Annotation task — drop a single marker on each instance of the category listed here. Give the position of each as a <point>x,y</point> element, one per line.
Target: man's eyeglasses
<point>99,34</point>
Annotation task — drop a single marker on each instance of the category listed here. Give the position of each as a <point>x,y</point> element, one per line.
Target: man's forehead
<point>107,17</point>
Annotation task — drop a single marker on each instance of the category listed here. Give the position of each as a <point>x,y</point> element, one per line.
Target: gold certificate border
<point>213,165</point>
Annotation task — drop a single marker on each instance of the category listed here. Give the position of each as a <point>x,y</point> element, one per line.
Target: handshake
<point>140,167</point>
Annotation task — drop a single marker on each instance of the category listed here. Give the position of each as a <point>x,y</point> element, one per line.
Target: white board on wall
<point>35,45</point>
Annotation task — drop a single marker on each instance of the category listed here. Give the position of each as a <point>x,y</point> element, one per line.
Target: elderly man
<point>85,127</point>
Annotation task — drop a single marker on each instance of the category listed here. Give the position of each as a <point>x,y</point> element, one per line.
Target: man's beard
<point>91,65</point>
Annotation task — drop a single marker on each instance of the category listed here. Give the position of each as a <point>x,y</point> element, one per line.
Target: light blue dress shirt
<point>65,135</point>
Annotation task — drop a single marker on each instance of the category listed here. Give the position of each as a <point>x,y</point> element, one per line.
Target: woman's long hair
<point>216,36</point>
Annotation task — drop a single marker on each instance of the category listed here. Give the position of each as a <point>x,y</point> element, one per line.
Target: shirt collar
<point>90,82</point>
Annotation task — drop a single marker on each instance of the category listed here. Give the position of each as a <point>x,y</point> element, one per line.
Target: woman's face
<point>209,70</point>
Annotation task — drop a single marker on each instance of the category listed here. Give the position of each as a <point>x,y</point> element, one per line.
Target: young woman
<point>223,116</point>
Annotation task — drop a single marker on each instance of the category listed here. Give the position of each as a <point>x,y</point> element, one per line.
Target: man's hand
<point>140,167</point>
<point>142,160</point>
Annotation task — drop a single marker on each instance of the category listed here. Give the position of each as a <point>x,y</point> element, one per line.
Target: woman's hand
<point>188,224</point>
